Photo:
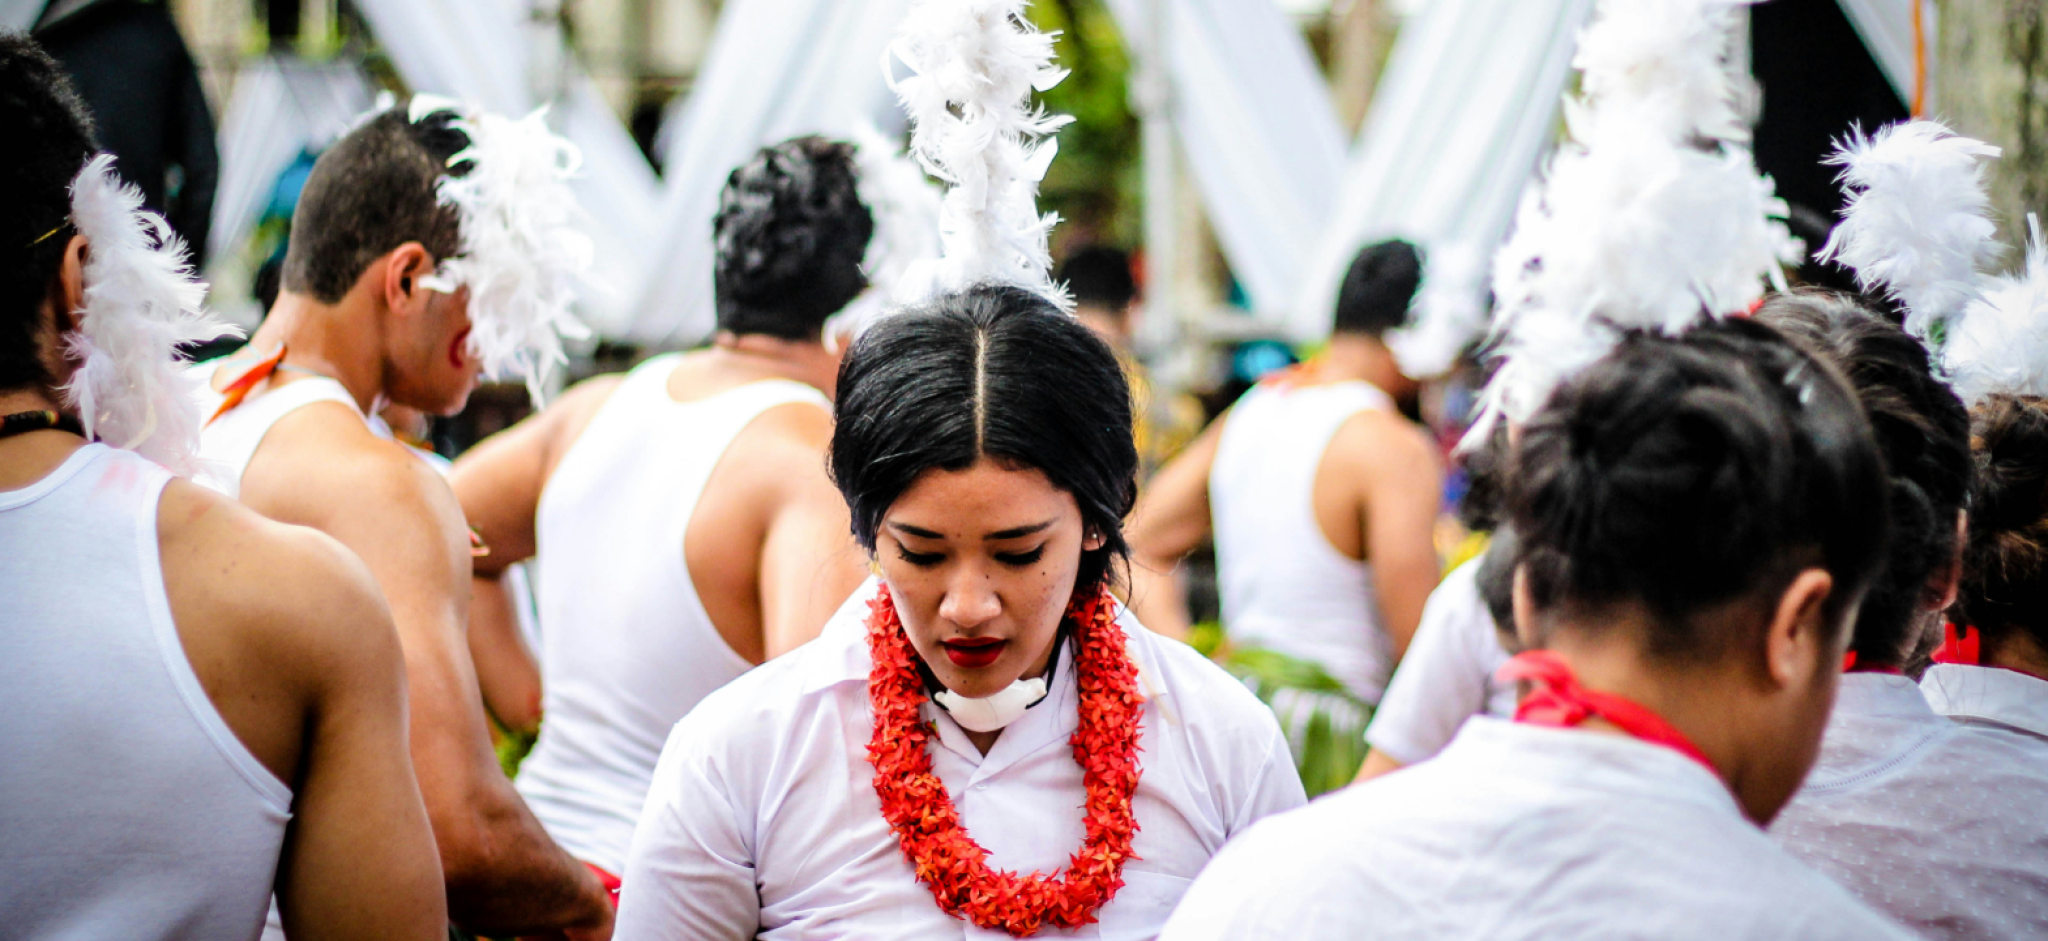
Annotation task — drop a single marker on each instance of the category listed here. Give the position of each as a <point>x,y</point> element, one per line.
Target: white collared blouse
<point>1988,697</point>
<point>1518,833</point>
<point>763,819</point>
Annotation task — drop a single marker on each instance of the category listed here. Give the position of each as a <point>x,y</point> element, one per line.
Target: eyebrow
<point>1017,532</point>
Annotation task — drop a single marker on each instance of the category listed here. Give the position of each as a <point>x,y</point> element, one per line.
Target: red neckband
<point>1556,700</point>
<point>1960,644</point>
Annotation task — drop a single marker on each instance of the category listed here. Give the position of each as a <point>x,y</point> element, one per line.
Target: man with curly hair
<point>683,523</point>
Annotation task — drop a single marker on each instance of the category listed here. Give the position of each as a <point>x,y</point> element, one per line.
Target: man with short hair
<point>373,310</point>
<point>682,522</point>
<point>1323,500</point>
<point>198,706</point>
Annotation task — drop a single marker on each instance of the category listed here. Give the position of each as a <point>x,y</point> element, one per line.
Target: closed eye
<point>923,560</point>
<point>1021,559</point>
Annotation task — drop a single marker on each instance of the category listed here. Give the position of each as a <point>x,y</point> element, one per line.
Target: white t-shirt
<point>763,820</point>
<point>1446,677</point>
<point>1988,696</point>
<point>1937,825</point>
<point>1521,832</point>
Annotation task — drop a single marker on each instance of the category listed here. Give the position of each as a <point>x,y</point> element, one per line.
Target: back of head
<point>2005,562</point>
<point>375,189</point>
<point>1923,430</point>
<point>48,138</point>
<point>1680,474</point>
<point>993,371</point>
<point>1378,288</point>
<point>791,231</point>
<point>1099,276</point>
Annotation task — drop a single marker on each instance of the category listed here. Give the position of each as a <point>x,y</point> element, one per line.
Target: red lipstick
<point>973,653</point>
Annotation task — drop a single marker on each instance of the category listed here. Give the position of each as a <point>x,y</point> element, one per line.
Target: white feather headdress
<point>1917,223</point>
<point>141,303</point>
<point>522,254</point>
<point>905,207</point>
<point>974,127</point>
<point>1450,312</point>
<point>1651,216</point>
<point>2000,343</point>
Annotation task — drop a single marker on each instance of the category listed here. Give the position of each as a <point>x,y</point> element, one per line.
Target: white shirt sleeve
<point>690,875</point>
<point>1443,679</point>
<point>1277,787</point>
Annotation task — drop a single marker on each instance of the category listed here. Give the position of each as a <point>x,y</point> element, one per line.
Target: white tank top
<point>228,443</point>
<point>626,647</point>
<point>128,808</point>
<point>1282,585</point>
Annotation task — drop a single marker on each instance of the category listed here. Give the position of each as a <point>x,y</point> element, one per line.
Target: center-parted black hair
<point>992,371</point>
<point>1379,288</point>
<point>375,189</point>
<point>790,233</point>
<point>1924,432</point>
<point>1682,473</point>
<point>45,138</point>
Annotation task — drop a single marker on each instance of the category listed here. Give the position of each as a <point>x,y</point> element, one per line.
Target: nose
<point>970,599</point>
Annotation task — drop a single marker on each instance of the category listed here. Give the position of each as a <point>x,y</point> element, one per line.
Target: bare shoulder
<point>288,596</point>
<point>1384,439</point>
<point>321,466</point>
<point>565,418</point>
<point>790,431</point>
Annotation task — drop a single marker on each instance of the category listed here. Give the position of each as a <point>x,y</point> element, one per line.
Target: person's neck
<point>1703,702</point>
<point>1362,358</point>
<point>339,341</point>
<point>27,458</point>
<point>761,356</point>
<point>2016,650</point>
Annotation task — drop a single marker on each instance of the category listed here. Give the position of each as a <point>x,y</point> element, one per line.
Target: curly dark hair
<point>1924,432</point>
<point>790,234</point>
<point>2005,562</point>
<point>48,137</point>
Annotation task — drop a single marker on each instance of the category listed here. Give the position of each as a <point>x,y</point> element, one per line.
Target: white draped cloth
<point>763,819</point>
<point>1520,832</point>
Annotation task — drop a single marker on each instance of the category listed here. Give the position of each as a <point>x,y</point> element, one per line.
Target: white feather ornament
<point>1450,312</point>
<point>1652,216</point>
<point>974,127</point>
<point>905,207</point>
<point>1917,223</point>
<point>2000,343</point>
<point>523,255</point>
<point>132,389</point>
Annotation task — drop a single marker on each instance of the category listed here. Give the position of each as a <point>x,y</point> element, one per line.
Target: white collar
<point>1573,760</point>
<point>2006,697</point>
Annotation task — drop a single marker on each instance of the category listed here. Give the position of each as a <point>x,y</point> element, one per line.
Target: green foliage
<point>1096,183</point>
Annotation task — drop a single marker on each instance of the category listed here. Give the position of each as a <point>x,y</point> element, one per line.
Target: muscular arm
<point>504,875</point>
<point>1170,520</point>
<point>809,562</point>
<point>499,483</point>
<point>1403,492</point>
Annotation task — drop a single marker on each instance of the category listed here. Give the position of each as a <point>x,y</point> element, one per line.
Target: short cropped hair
<point>375,189</point>
<point>791,232</point>
<point>1379,288</point>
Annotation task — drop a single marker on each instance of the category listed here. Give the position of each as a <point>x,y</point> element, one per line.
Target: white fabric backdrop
<point>1260,135</point>
<point>1464,112</point>
<point>1887,29</point>
<point>479,50</point>
<point>777,69</point>
<point>279,108</point>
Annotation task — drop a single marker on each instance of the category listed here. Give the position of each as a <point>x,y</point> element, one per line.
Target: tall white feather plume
<point>905,206</point>
<point>1651,216</point>
<point>1450,312</point>
<point>975,64</point>
<point>2000,343</point>
<point>141,302</point>
<point>522,255</point>
<point>1917,223</point>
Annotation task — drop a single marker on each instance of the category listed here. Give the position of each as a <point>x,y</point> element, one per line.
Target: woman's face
<point>982,563</point>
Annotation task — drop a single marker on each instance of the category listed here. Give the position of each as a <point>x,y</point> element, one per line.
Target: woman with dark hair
<point>1699,518</point>
<point>1875,815</point>
<point>1995,676</point>
<point>982,736</point>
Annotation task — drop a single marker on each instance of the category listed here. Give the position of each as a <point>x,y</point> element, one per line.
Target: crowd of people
<point>884,635</point>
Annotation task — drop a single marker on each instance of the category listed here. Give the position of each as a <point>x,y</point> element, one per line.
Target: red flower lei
<point>927,825</point>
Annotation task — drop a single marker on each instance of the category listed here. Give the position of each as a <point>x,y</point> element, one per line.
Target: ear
<point>1092,540</point>
<point>71,285</point>
<point>1947,581</point>
<point>403,269</point>
<point>1799,637</point>
<point>1525,611</point>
